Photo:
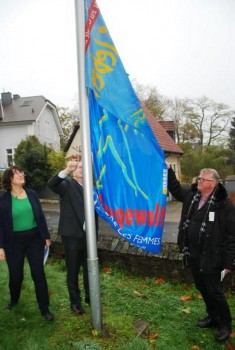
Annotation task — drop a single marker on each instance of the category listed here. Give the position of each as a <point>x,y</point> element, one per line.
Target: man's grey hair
<point>212,173</point>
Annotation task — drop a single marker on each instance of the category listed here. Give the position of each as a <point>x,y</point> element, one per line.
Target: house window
<point>26,103</point>
<point>10,156</point>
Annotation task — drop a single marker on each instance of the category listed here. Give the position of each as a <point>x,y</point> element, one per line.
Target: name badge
<point>211,216</point>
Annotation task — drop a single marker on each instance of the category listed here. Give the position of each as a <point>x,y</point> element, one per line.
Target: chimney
<point>6,98</point>
<point>15,97</point>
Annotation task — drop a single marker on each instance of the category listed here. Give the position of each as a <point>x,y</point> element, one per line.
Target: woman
<point>23,232</point>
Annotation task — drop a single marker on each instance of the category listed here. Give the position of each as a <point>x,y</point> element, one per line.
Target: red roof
<point>168,125</point>
<point>165,141</point>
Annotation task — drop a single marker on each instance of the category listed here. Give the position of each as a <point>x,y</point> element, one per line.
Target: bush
<point>32,156</point>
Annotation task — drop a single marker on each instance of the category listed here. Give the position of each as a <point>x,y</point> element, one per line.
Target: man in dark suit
<point>72,229</point>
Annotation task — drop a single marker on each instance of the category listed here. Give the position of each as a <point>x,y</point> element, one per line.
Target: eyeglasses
<point>19,173</point>
<point>202,180</point>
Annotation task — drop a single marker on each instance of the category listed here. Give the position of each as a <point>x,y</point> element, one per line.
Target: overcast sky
<point>185,48</point>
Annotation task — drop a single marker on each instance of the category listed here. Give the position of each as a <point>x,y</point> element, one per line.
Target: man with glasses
<point>207,242</point>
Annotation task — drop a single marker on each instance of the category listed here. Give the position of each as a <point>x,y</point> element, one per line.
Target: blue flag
<point>129,167</point>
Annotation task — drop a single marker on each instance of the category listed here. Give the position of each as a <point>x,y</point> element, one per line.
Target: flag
<point>129,167</point>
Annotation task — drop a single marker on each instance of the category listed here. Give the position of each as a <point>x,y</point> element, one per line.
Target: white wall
<point>76,145</point>
<point>46,130</point>
<point>10,137</point>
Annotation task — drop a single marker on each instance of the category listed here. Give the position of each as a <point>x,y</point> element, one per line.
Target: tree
<point>211,119</point>
<point>32,157</point>
<point>68,119</point>
<point>190,165</point>
<point>187,132</point>
<point>149,97</point>
<point>178,110</point>
<point>199,120</point>
<point>56,161</point>
<point>216,157</point>
<point>232,135</point>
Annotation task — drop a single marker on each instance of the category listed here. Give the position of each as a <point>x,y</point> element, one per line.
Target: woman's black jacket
<point>6,221</point>
<point>217,251</point>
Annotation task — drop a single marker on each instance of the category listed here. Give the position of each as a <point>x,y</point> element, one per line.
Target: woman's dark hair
<point>8,175</point>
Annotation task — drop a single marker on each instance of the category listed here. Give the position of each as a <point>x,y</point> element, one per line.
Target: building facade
<point>21,117</point>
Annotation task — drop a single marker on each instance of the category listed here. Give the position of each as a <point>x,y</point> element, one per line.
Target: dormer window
<point>26,103</point>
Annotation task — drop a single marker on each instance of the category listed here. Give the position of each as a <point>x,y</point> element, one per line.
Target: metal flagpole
<point>93,266</point>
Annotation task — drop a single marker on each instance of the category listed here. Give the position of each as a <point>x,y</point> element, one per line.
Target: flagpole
<point>93,266</point>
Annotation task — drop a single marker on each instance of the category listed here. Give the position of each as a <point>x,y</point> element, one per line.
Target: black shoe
<point>77,309</point>
<point>48,316</point>
<point>207,323</point>
<point>10,306</point>
<point>223,334</point>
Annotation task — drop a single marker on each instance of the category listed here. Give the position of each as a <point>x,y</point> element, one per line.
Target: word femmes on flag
<point>129,167</point>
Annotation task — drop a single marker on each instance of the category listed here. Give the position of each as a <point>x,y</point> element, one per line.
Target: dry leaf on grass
<point>195,347</point>
<point>186,297</point>
<point>153,336</point>
<point>138,294</point>
<point>107,270</point>
<point>94,332</point>
<point>229,346</point>
<point>186,311</point>
<point>159,281</point>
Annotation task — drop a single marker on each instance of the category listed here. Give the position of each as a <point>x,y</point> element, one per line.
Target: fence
<point>46,193</point>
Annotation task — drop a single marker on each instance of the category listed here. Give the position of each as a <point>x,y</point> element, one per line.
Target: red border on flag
<point>93,13</point>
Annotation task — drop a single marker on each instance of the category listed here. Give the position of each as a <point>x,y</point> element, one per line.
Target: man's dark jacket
<point>72,213</point>
<point>217,248</point>
<point>6,221</point>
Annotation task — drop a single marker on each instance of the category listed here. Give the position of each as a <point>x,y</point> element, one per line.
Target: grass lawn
<point>169,310</point>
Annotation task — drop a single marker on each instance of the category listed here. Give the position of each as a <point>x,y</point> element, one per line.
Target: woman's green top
<point>22,214</point>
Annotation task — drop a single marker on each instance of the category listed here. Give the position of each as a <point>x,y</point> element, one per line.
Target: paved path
<point>170,231</point>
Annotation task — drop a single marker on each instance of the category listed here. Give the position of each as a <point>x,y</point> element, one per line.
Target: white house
<point>21,117</point>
